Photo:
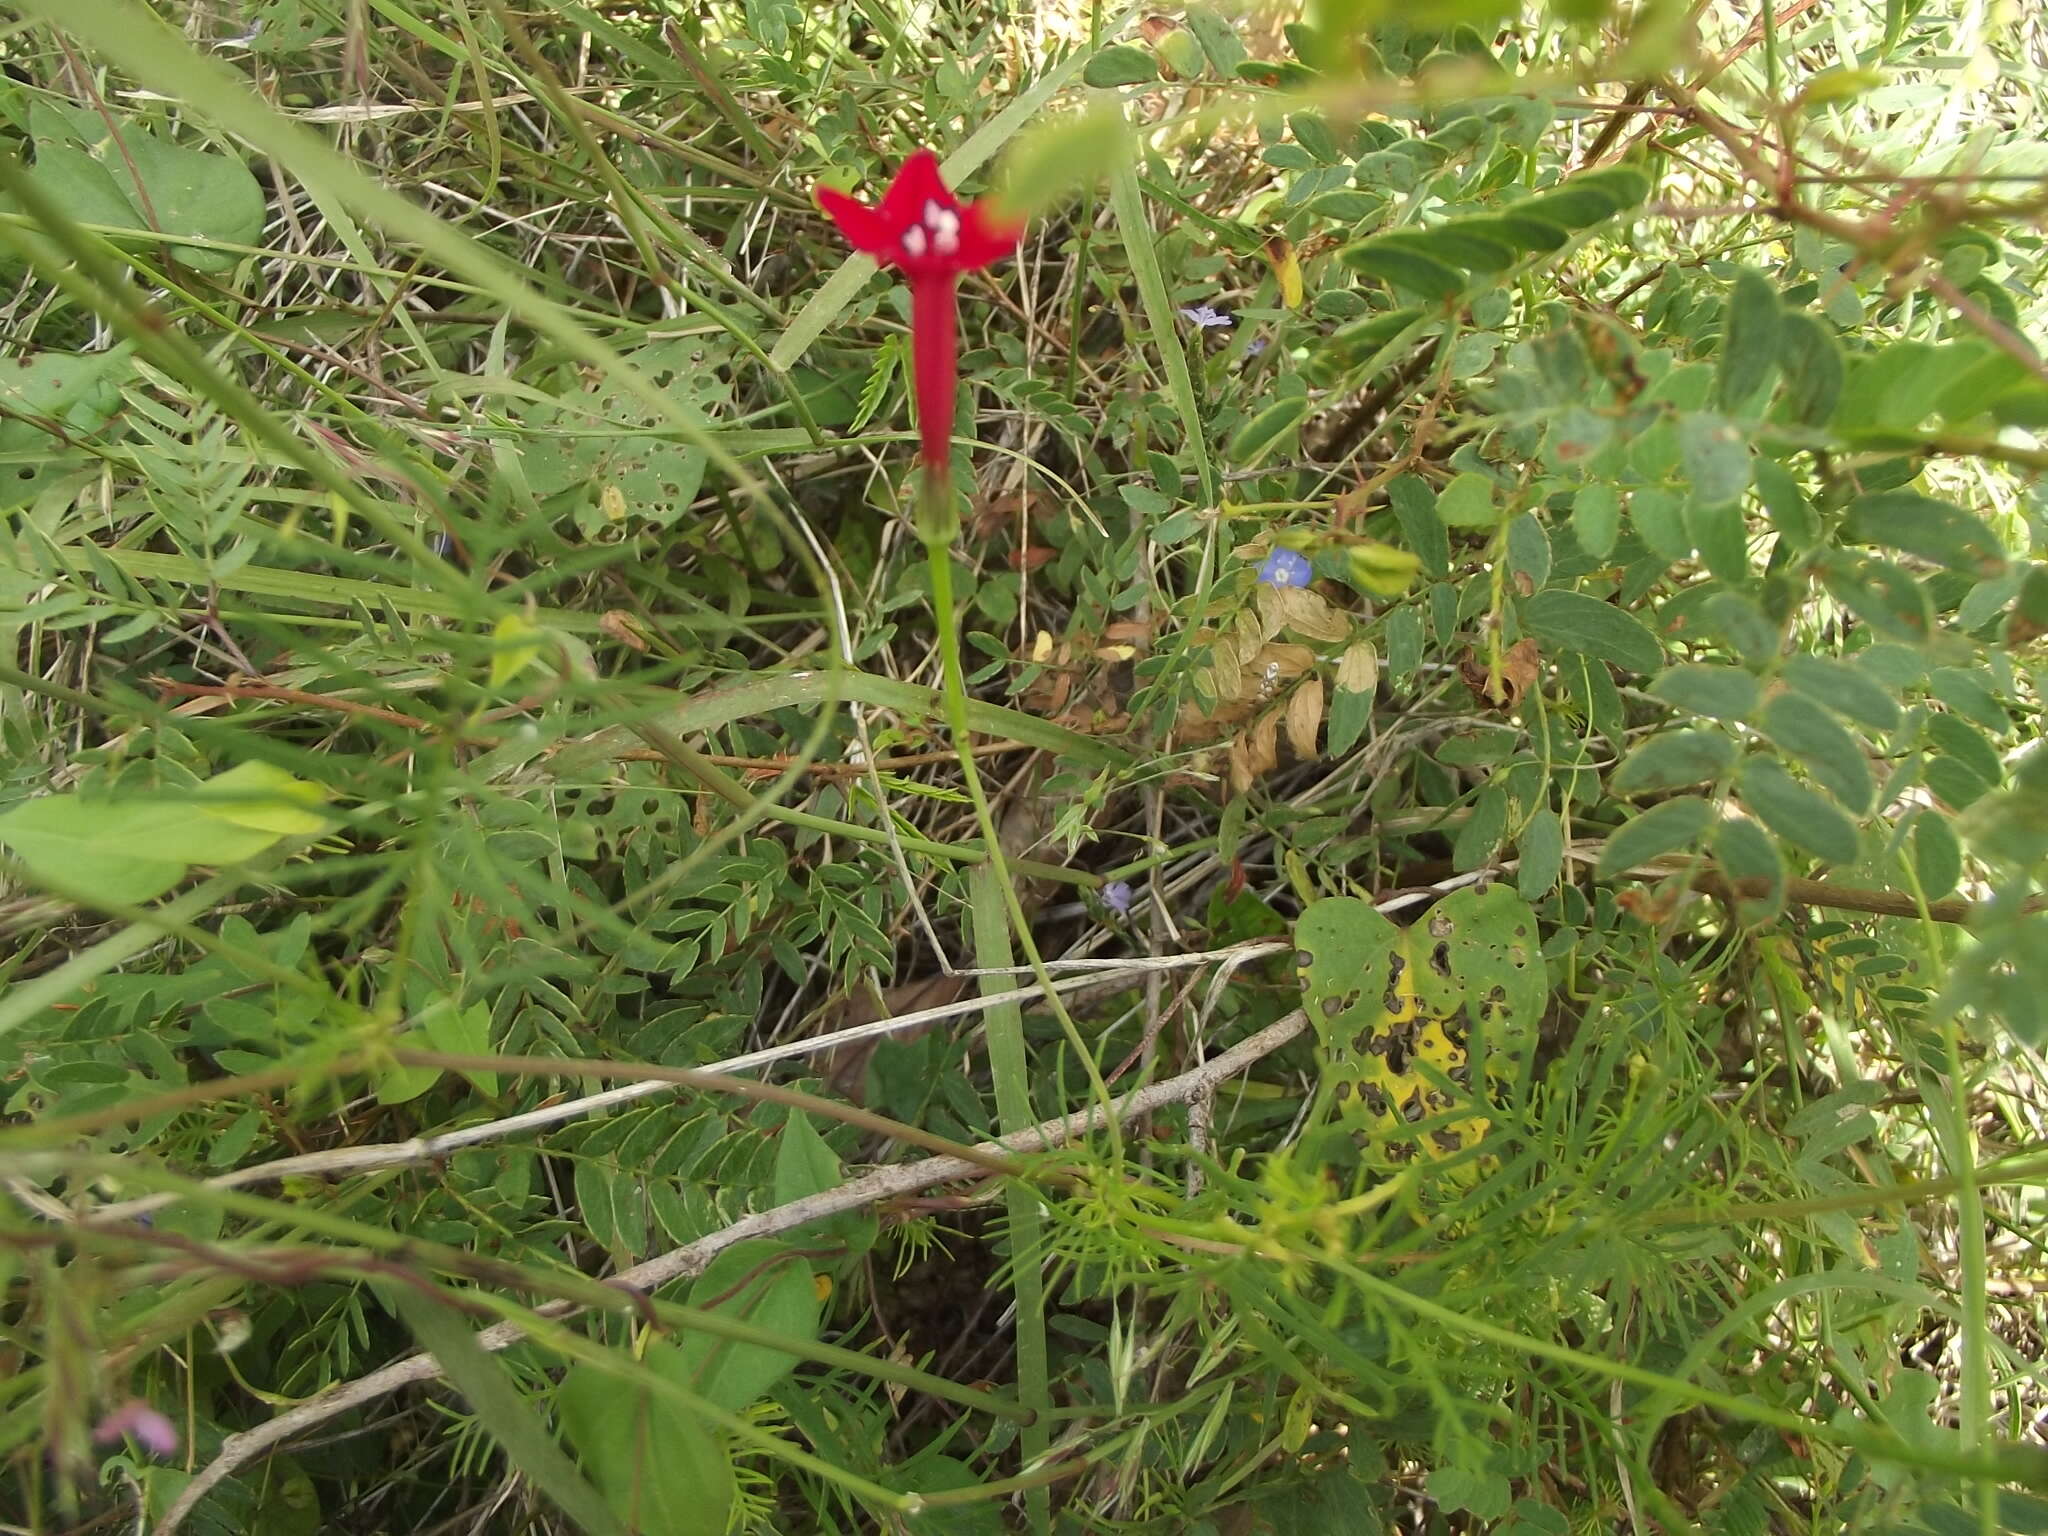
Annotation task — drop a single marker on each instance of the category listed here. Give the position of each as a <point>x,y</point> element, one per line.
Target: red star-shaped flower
<point>931,237</point>
<point>921,227</point>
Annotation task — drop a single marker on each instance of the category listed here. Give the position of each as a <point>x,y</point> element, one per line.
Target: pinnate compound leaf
<point>1663,828</point>
<point>1803,817</point>
<point>1573,621</point>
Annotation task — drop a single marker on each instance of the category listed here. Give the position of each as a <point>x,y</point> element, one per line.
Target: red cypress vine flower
<point>932,237</point>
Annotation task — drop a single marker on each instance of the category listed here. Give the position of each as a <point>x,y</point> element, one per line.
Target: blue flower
<point>1258,345</point>
<point>1206,317</point>
<point>1118,896</point>
<point>1286,568</point>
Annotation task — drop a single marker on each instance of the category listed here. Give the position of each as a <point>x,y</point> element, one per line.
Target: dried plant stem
<point>680,1263</point>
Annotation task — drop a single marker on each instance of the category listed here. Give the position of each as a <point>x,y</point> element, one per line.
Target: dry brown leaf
<point>1310,613</point>
<point>1240,769</point>
<point>1519,668</point>
<point>1305,718</point>
<point>1262,747</point>
<point>622,627</point>
<point>1358,670</point>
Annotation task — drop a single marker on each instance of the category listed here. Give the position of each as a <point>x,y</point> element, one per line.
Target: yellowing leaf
<point>266,798</point>
<point>1286,270</point>
<point>1382,569</point>
<point>515,646</point>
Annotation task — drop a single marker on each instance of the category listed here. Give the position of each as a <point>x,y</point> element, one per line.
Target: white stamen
<point>945,242</point>
<point>944,221</point>
<point>913,240</point>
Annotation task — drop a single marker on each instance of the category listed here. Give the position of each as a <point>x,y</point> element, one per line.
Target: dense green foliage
<point>1500,602</point>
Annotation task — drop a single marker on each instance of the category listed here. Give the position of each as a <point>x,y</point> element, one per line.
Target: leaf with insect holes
<point>1420,1024</point>
<point>605,438</point>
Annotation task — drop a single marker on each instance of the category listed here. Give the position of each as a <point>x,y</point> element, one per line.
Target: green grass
<point>481,777</point>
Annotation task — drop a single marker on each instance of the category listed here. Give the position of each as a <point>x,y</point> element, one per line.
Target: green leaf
<point>610,1202</point>
<point>1750,334</point>
<point>1596,519</point>
<point>1715,454</point>
<point>1658,517</point>
<point>195,192</point>
<point>1801,816</point>
<point>1257,437</point>
<point>1540,849</point>
<point>1468,244</point>
<point>1745,853</point>
<point>1786,505</point>
<point>1812,362</point>
<point>1121,64</point>
<point>1937,854</point>
<point>657,1466</point>
<point>760,1282</point>
<point>1964,691</point>
<point>1933,530</point>
<point>1468,502</point>
<point>1742,626</point>
<point>1833,756</point>
<point>1516,229</point>
<point>1587,199</point>
<point>1415,510</point>
<point>1402,266</point>
<point>1848,690</point>
<point>1704,688</point>
<point>463,1032</point>
<point>1480,835</point>
<point>1964,742</point>
<point>1574,621</point>
<point>1529,551</point>
<point>1662,829</point>
<point>1218,38</point>
<point>1721,534</point>
<point>1887,597</point>
<point>1674,758</point>
<point>501,1407</point>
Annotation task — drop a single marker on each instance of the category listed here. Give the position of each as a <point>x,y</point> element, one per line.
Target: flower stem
<point>940,558</point>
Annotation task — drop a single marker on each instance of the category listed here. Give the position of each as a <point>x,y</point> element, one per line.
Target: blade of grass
<point>489,1389</point>
<point>1011,1071</point>
<point>1127,198</point>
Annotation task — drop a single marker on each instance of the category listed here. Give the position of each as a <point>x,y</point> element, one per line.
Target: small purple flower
<point>1207,317</point>
<point>149,1428</point>
<point>1118,896</point>
<point>1256,345</point>
<point>1286,568</point>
